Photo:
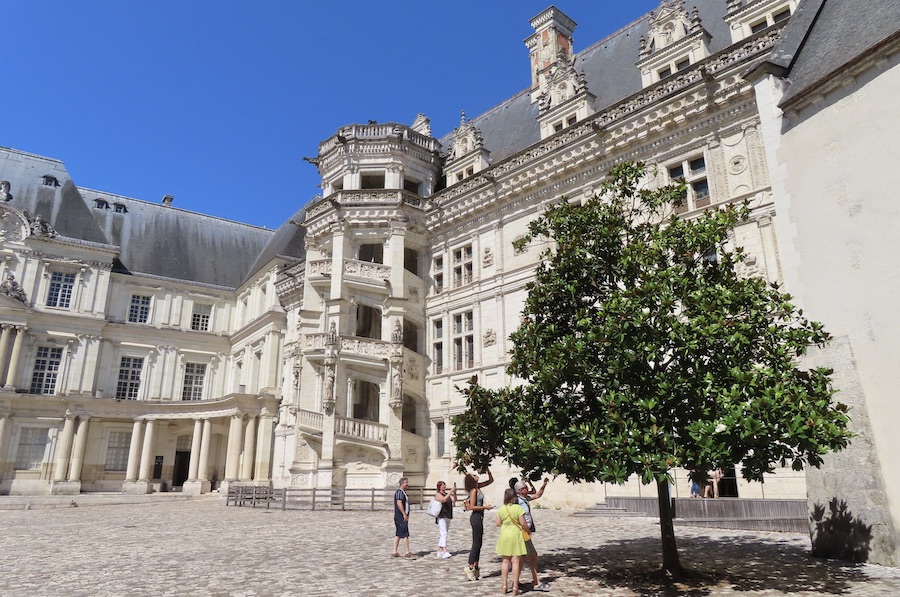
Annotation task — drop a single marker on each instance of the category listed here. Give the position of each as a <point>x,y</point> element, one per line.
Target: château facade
<point>145,347</point>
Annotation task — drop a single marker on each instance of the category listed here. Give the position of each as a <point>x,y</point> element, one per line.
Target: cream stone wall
<point>837,214</point>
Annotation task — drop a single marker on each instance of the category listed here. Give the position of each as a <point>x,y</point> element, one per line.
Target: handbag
<point>434,508</point>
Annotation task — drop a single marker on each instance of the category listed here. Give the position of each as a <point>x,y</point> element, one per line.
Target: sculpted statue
<point>397,385</point>
<point>41,227</point>
<point>397,334</point>
<point>328,394</point>
<point>12,289</point>
<point>5,195</point>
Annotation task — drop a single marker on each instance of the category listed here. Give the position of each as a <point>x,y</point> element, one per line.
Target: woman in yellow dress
<point>511,543</point>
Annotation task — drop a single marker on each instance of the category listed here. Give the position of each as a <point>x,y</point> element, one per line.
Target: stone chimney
<point>167,200</point>
<point>552,41</point>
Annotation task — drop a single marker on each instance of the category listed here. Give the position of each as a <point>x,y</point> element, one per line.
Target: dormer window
<point>120,208</point>
<point>50,181</point>
<point>101,204</point>
<point>757,16</point>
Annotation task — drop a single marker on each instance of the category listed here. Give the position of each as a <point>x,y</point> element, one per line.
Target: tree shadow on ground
<point>839,534</point>
<point>740,563</point>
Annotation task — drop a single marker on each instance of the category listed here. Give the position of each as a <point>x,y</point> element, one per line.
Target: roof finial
<point>462,119</point>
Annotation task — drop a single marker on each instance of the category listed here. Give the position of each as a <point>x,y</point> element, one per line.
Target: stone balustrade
<point>359,429</point>
<point>310,420</point>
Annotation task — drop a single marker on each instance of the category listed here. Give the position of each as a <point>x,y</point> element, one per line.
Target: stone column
<point>10,383</point>
<point>264,446</point>
<point>147,452</point>
<point>78,453</point>
<point>233,451</point>
<point>203,470</point>
<point>194,486</point>
<point>64,448</point>
<point>195,450</point>
<point>134,451</point>
<point>3,424</point>
<point>4,349</point>
<point>249,449</point>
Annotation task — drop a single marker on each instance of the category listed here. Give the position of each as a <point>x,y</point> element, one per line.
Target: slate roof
<point>287,243</point>
<point>153,238</point>
<point>832,35</point>
<point>175,243</point>
<point>610,73</point>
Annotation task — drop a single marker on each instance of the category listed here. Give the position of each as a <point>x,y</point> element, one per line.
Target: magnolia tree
<point>641,349</point>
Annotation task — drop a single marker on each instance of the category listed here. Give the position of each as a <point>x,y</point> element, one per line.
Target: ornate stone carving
<point>12,289</point>
<point>396,401</point>
<point>328,388</point>
<point>561,84</point>
<point>490,338</point>
<point>488,259</point>
<point>5,195</point>
<point>397,333</point>
<point>12,226</point>
<point>413,293</point>
<point>41,227</point>
<point>466,139</point>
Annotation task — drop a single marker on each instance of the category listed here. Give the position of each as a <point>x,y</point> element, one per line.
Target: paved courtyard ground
<point>203,548</point>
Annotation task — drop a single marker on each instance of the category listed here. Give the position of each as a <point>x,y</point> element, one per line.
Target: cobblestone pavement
<point>204,548</point>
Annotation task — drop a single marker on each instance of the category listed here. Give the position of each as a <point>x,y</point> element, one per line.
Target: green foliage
<point>641,349</point>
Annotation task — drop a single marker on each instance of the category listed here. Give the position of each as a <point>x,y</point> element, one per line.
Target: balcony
<point>366,272</point>
<point>359,430</point>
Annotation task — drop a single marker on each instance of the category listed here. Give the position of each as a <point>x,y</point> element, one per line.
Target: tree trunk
<point>671,563</point>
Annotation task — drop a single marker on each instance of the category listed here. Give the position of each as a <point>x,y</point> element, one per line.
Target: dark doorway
<point>182,466</point>
<point>728,485</point>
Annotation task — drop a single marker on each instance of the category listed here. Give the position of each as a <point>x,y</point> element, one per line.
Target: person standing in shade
<point>445,516</point>
<point>526,492</point>
<point>401,520</point>
<point>511,543</point>
<point>475,501</point>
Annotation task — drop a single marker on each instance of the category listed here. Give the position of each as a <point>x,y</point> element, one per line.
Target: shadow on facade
<point>837,534</point>
<point>781,564</point>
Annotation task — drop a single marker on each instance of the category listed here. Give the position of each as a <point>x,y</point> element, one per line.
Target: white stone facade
<point>340,368</point>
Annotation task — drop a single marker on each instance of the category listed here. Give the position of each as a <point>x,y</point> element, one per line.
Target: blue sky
<point>216,102</point>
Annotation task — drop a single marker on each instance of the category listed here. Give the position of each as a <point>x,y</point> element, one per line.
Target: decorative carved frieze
<point>365,269</point>
<point>365,347</point>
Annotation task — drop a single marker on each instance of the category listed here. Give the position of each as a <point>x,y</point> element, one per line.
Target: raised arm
<point>536,494</point>
<point>489,481</point>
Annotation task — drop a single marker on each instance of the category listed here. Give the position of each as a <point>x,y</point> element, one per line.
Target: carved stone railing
<point>320,267</point>
<point>359,429</point>
<point>310,420</point>
<point>373,132</point>
<point>314,341</point>
<point>365,346</point>
<point>367,270</point>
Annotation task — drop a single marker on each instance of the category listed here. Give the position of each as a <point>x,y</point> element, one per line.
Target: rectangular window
<point>698,186</point>
<point>438,275</point>
<point>571,120</point>
<point>463,341</point>
<point>441,439</point>
<point>411,261</point>
<point>200,317</point>
<point>139,311</point>
<point>194,373</point>
<point>665,72</point>
<point>680,66</point>
<point>462,266</point>
<point>46,368</point>
<point>117,451</point>
<point>129,378</point>
<point>758,26</point>
<point>697,166</point>
<point>782,15</point>
<point>32,447</point>
<point>60,293</point>
<point>438,345</point>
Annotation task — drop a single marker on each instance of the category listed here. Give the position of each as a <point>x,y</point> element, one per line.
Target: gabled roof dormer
<point>676,40</point>
<point>467,155</point>
<point>749,17</point>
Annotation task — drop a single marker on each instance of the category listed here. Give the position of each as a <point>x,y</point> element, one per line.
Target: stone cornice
<point>582,141</point>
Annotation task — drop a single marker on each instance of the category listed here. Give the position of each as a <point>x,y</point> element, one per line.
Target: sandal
<point>504,589</point>
<point>410,556</point>
<point>395,555</point>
